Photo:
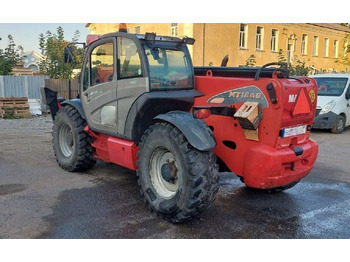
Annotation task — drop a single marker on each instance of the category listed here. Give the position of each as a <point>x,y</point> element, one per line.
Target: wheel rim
<point>340,124</point>
<point>66,140</point>
<point>161,158</point>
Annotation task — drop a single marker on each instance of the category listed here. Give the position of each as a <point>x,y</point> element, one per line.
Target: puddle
<point>11,188</point>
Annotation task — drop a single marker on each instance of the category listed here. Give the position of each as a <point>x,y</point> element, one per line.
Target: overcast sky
<point>27,34</point>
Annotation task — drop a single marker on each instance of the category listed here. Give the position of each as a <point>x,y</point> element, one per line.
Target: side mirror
<point>68,55</point>
<point>347,96</point>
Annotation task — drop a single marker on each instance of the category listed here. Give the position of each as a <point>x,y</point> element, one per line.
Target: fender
<point>55,103</point>
<point>195,130</point>
<point>76,103</point>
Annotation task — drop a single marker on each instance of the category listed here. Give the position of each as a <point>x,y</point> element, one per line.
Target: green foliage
<point>250,62</point>
<point>9,57</point>
<point>281,56</point>
<point>345,58</point>
<point>52,47</point>
<point>297,67</point>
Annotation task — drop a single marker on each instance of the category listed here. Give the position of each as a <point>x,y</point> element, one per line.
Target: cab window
<point>169,67</point>
<point>102,64</point>
<point>129,62</point>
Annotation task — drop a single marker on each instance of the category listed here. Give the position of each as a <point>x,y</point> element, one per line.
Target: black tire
<point>339,125</point>
<point>282,188</point>
<point>194,181</point>
<point>71,144</point>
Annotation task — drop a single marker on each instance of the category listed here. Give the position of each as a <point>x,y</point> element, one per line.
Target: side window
<point>86,76</point>
<point>347,95</point>
<point>102,64</point>
<point>129,62</point>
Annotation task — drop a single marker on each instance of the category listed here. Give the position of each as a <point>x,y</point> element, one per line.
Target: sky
<point>27,34</point>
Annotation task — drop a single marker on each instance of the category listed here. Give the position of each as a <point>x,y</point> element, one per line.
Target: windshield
<point>169,68</point>
<point>330,86</point>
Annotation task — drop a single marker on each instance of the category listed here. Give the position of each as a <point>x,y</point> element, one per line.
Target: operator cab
<point>129,79</point>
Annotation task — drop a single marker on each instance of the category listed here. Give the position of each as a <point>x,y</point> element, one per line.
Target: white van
<point>333,102</point>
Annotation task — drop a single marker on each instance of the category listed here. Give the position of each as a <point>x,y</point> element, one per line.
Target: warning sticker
<point>312,96</point>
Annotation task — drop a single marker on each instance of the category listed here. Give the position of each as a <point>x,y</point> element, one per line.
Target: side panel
<point>127,92</point>
<point>98,101</point>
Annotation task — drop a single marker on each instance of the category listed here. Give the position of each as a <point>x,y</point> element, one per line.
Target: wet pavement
<point>40,200</point>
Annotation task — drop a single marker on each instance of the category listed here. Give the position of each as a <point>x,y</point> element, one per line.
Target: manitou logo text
<point>245,95</point>
<point>292,98</point>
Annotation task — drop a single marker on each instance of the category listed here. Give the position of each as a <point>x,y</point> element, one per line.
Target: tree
<point>52,47</point>
<point>345,59</point>
<point>9,57</point>
<point>250,62</point>
<point>297,67</point>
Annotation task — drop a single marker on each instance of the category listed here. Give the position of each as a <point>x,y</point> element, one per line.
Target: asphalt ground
<point>39,200</point>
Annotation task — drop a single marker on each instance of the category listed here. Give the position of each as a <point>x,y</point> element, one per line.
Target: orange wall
<point>215,40</point>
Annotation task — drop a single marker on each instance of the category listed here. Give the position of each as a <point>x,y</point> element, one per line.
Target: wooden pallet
<point>14,107</point>
<point>15,112</point>
<point>12,102</point>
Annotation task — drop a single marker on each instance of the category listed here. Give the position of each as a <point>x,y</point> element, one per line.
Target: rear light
<point>201,113</point>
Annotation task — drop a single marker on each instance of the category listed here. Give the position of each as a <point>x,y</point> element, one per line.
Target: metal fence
<point>22,86</point>
<point>31,87</point>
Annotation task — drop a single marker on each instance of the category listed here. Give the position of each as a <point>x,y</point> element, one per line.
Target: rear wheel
<point>72,146</point>
<point>339,125</point>
<point>177,181</point>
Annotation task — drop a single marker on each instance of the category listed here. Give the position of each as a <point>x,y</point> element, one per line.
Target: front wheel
<point>72,146</point>
<point>339,125</point>
<point>177,181</point>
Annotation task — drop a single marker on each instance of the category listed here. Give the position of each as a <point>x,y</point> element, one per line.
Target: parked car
<point>333,102</point>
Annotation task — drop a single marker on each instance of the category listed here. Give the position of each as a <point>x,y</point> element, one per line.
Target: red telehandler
<point>142,105</point>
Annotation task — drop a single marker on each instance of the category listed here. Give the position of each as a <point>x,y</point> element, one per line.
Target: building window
<point>137,29</point>
<point>345,51</point>
<point>325,47</point>
<point>173,29</point>
<point>315,46</point>
<point>335,48</point>
<point>304,44</point>
<point>274,40</point>
<point>243,36</point>
<point>259,38</point>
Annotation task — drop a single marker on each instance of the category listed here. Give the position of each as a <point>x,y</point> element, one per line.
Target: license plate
<point>293,131</point>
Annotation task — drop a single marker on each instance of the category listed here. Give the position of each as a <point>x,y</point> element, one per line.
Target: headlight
<point>327,107</point>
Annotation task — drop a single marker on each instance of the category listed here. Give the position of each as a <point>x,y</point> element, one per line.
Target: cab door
<point>132,77</point>
<point>99,86</point>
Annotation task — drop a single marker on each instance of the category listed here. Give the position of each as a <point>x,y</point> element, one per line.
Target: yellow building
<point>321,46</point>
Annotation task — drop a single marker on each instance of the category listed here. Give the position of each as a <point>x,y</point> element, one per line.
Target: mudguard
<point>195,130</point>
<point>76,103</point>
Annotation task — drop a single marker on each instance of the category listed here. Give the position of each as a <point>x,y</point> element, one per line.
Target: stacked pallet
<point>14,107</point>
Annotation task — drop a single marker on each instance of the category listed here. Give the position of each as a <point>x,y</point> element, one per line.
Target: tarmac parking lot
<point>40,200</point>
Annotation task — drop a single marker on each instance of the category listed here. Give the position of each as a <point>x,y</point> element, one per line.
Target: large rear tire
<point>177,181</point>
<point>71,144</point>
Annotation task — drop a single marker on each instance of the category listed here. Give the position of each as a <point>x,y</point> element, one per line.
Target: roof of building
<point>332,26</point>
<point>37,55</point>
